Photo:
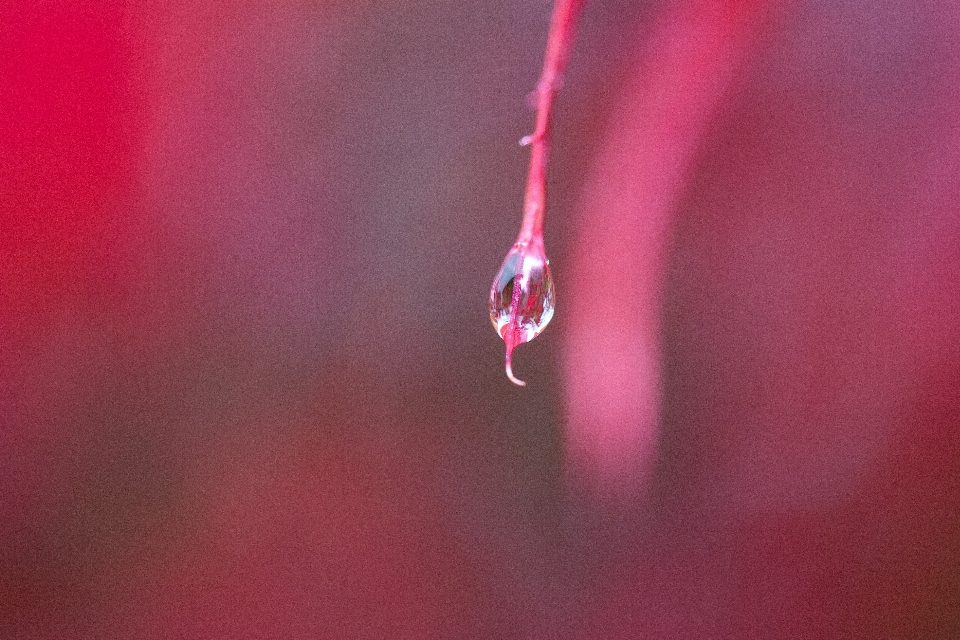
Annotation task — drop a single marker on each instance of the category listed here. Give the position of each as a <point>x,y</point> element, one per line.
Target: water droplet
<point>521,298</point>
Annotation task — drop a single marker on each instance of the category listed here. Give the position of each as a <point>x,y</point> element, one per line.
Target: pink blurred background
<point>248,388</point>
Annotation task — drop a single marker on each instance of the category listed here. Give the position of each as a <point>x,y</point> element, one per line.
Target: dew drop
<point>521,298</point>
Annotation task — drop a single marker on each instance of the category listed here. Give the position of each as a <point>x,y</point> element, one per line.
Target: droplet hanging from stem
<point>522,296</point>
<point>521,299</point>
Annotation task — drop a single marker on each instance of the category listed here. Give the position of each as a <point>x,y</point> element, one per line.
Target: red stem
<point>563,26</point>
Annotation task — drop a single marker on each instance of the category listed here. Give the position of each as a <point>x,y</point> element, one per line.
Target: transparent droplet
<point>521,299</point>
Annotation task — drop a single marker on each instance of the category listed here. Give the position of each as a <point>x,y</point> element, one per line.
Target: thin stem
<point>563,25</point>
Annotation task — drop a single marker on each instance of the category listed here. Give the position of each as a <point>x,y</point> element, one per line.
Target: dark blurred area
<point>248,388</point>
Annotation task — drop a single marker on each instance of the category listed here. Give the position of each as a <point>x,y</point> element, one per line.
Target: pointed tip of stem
<point>509,339</point>
<point>512,378</point>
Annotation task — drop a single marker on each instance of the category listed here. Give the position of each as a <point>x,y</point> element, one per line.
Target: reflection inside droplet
<point>521,298</point>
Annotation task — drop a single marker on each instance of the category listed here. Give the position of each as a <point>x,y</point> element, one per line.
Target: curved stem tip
<point>510,339</point>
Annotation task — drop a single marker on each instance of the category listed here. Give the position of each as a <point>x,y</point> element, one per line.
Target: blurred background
<point>248,388</point>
